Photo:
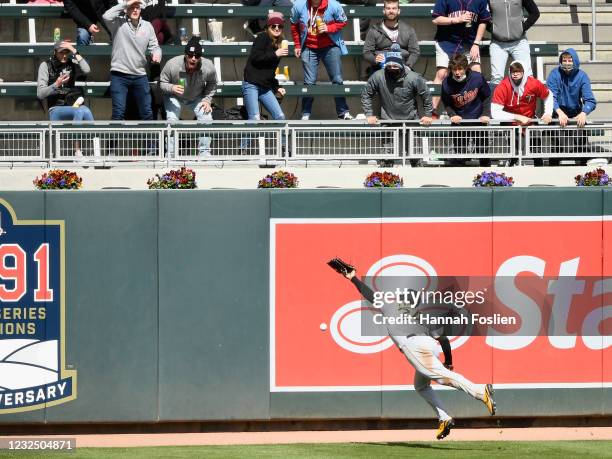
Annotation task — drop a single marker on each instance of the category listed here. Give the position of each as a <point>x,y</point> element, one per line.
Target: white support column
<point>356,30</point>
<point>32,30</point>
<point>217,62</point>
<point>195,27</point>
<point>540,69</point>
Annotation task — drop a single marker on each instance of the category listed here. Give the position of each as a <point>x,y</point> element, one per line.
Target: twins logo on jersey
<point>32,314</point>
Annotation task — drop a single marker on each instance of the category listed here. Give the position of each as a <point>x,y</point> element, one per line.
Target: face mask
<point>393,72</point>
<point>567,68</point>
<point>460,79</point>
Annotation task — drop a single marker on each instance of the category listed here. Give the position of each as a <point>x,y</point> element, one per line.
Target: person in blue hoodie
<point>573,99</point>
<point>467,96</point>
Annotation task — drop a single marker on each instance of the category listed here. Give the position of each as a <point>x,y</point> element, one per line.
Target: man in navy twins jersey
<point>467,96</point>
<point>461,26</point>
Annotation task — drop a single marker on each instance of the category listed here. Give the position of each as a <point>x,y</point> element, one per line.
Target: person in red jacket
<point>316,27</point>
<point>515,99</point>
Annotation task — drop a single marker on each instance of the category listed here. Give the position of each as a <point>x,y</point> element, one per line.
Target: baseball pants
<point>422,353</point>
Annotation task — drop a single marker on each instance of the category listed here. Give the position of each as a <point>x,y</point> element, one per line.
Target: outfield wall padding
<point>168,301</point>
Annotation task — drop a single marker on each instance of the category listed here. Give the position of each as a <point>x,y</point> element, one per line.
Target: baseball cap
<point>275,18</point>
<point>193,46</point>
<point>59,45</point>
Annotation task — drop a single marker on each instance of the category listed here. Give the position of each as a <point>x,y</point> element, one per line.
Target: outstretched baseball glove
<point>340,266</point>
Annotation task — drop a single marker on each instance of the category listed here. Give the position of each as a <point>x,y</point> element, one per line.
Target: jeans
<point>173,111</point>
<point>83,37</point>
<point>139,84</point>
<point>331,59</point>
<point>69,113</point>
<point>500,50</point>
<point>254,94</point>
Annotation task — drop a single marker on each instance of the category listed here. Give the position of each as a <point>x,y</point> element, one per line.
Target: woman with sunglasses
<point>260,84</point>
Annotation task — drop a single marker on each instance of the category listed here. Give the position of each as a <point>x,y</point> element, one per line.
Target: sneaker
<point>306,117</point>
<point>345,116</point>
<point>488,399</point>
<point>444,428</point>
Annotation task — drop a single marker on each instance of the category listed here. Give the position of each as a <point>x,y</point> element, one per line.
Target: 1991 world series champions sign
<point>32,314</point>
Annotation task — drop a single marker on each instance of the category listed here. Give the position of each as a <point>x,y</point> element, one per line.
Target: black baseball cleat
<point>488,399</point>
<point>444,428</point>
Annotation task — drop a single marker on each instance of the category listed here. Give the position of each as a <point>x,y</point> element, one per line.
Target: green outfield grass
<point>422,450</point>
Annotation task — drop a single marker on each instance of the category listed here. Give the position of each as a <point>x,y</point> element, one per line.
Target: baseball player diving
<point>420,348</point>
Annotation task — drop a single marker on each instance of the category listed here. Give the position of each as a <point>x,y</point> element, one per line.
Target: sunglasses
<point>276,26</point>
<point>193,56</point>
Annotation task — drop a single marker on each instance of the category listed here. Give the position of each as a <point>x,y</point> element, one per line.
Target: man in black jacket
<point>86,14</point>
<point>382,35</point>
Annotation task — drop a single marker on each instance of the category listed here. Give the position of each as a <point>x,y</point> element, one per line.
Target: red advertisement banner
<point>315,340</point>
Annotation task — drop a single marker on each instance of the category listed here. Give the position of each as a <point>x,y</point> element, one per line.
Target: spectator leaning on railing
<point>385,33</point>
<point>86,14</point>
<point>316,26</point>
<point>398,88</point>
<point>132,38</point>
<point>515,98</point>
<point>56,78</point>
<point>460,28</point>
<point>191,81</point>
<point>508,38</point>
<point>467,96</point>
<point>572,99</point>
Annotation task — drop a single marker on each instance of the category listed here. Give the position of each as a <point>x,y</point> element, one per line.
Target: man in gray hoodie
<point>132,38</point>
<point>398,88</point>
<point>189,81</point>
<point>382,35</point>
<point>508,28</point>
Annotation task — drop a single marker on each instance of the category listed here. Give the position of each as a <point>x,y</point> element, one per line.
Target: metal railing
<point>570,142</point>
<point>111,143</point>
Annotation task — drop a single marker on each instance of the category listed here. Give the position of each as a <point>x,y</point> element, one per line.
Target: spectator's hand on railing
<point>563,119</point>
<point>371,119</point>
<point>521,119</point>
<point>177,89</point>
<point>546,118</point>
<point>484,119</point>
<point>426,120</point>
<point>93,29</point>
<point>581,119</point>
<point>456,119</point>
